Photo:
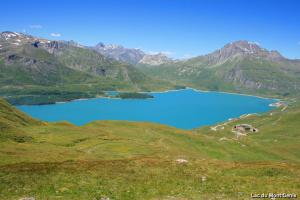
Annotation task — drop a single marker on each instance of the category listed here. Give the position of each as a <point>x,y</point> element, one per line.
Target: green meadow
<point>130,160</point>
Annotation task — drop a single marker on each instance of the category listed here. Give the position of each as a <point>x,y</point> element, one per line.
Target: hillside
<point>240,66</point>
<point>36,71</point>
<point>41,71</point>
<point>11,118</point>
<point>129,160</point>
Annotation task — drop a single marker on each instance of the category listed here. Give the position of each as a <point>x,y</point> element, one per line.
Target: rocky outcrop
<point>120,53</point>
<point>131,56</point>
<point>156,59</point>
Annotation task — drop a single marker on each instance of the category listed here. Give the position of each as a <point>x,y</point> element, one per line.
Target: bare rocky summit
<point>120,53</point>
<point>131,55</point>
<point>242,48</point>
<point>156,59</point>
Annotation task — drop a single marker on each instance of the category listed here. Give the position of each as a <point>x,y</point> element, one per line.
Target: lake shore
<point>164,108</point>
<point>199,90</point>
<point>233,93</point>
<point>167,91</point>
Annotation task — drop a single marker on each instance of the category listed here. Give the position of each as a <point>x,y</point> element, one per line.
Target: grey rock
<point>120,53</point>
<point>156,59</point>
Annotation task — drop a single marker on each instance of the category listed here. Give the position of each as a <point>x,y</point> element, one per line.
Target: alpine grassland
<point>139,160</point>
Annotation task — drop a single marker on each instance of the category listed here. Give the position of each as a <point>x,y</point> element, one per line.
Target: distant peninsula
<point>134,95</point>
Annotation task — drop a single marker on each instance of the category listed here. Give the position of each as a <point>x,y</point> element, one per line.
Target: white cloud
<point>55,34</point>
<point>36,26</point>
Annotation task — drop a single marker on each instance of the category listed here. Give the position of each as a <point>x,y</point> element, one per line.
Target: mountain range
<point>240,66</point>
<point>48,58</point>
<point>32,67</point>
<point>131,56</point>
<point>35,66</point>
<point>140,160</point>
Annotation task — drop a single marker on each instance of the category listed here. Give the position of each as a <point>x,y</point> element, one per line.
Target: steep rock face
<point>156,59</point>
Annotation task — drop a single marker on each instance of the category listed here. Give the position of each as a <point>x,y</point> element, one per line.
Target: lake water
<point>185,109</point>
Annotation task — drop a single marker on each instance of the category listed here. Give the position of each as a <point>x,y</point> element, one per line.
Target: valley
<point>135,159</point>
<point>49,71</point>
<point>66,70</point>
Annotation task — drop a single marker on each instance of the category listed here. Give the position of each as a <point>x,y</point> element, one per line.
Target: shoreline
<point>167,91</point>
<point>233,93</point>
<point>273,105</point>
<point>199,90</point>
<point>207,91</point>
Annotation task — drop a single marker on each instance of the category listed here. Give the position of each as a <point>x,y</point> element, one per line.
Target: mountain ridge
<point>244,48</point>
<point>42,65</point>
<point>133,56</point>
<point>122,160</point>
<point>239,66</point>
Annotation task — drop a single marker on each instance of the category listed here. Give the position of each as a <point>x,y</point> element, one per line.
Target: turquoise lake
<point>184,109</point>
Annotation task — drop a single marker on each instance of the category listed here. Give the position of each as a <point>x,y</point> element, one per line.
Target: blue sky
<point>181,27</point>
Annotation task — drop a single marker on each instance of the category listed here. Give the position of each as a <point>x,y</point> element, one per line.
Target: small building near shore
<point>245,128</point>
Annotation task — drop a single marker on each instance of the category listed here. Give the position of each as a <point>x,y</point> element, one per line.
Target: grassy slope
<point>128,160</point>
<point>34,76</point>
<point>282,77</point>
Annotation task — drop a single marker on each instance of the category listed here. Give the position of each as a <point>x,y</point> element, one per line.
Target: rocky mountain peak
<point>113,46</point>
<point>9,34</point>
<point>107,47</point>
<point>100,45</point>
<point>131,55</point>
<point>155,59</point>
<point>9,38</point>
<point>242,48</point>
<point>120,53</point>
<point>14,37</point>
